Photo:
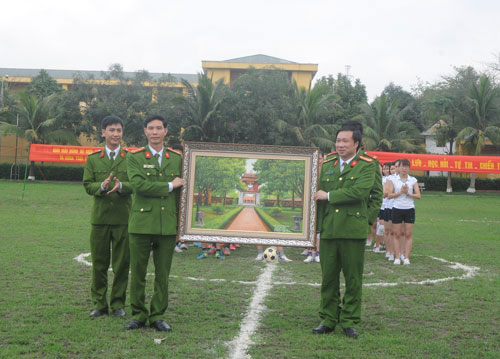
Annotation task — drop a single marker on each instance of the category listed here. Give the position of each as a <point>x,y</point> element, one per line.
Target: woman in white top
<point>404,190</point>
<point>387,206</point>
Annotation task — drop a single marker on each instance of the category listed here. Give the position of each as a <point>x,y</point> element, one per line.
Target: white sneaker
<point>177,249</point>
<point>391,257</point>
<point>183,246</point>
<point>305,252</point>
<point>387,254</point>
<point>368,243</point>
<point>309,259</point>
<point>406,262</point>
<point>316,258</point>
<point>397,261</point>
<point>259,257</point>
<point>284,258</point>
<point>376,250</point>
<point>402,257</point>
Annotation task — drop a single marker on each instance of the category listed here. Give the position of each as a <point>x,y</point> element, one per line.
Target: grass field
<point>45,299</point>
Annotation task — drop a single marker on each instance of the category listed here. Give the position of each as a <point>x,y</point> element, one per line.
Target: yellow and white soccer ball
<point>271,255</point>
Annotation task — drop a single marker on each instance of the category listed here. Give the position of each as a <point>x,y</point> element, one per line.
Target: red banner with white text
<point>445,163</point>
<point>59,153</point>
<point>424,162</point>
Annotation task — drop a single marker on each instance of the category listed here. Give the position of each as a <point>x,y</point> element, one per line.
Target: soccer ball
<point>271,255</point>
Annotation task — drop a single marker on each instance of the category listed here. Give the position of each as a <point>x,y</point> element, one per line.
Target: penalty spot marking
<point>470,272</point>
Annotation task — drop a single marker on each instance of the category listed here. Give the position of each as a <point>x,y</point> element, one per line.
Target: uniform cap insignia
<point>148,154</point>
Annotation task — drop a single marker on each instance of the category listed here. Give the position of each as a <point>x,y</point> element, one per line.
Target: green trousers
<point>109,242</point>
<point>163,250</point>
<point>345,255</point>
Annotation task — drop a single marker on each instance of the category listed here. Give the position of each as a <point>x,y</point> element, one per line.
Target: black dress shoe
<point>98,312</point>
<point>322,329</point>
<point>118,313</point>
<point>161,326</point>
<point>134,324</point>
<point>351,333</point>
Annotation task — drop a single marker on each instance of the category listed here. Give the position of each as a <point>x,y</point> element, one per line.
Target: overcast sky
<point>402,41</point>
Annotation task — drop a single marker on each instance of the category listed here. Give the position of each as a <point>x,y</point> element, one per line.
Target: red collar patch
<point>148,155</point>
<point>102,153</point>
<point>353,163</point>
<point>337,161</point>
<point>167,155</point>
<point>122,155</point>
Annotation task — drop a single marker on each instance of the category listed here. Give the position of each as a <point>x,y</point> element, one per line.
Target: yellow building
<point>229,70</point>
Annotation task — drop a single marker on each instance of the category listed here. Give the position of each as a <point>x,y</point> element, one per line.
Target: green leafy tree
<point>309,127</point>
<point>280,177</point>
<point>347,100</point>
<point>482,124</point>
<point>37,122</point>
<point>257,102</point>
<point>217,174</point>
<point>383,130</point>
<point>43,85</point>
<point>203,102</point>
<point>129,98</point>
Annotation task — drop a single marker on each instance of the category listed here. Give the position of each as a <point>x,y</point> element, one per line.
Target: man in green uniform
<point>105,178</point>
<point>154,173</point>
<point>349,197</point>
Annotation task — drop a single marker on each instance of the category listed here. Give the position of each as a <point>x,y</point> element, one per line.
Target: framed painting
<point>249,194</point>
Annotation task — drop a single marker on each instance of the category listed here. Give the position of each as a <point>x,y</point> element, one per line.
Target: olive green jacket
<point>154,208</point>
<point>114,208</point>
<point>355,197</point>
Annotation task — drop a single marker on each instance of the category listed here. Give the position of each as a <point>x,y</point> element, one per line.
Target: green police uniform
<point>152,225</point>
<point>355,197</point>
<point>109,221</point>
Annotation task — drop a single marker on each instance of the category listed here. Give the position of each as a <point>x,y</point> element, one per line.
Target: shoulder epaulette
<point>365,158</point>
<point>138,150</point>
<point>124,149</point>
<point>174,151</point>
<point>93,153</point>
<point>330,159</point>
<point>331,153</point>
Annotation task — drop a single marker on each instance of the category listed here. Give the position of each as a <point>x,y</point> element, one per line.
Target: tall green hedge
<point>459,184</point>
<point>46,173</point>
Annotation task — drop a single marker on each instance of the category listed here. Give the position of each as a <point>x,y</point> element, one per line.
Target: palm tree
<point>481,124</point>
<point>203,102</point>
<point>37,122</point>
<point>383,130</point>
<point>308,129</point>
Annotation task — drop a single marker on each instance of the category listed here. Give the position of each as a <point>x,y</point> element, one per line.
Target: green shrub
<point>46,173</point>
<point>268,220</point>
<point>218,210</point>
<point>459,184</point>
<point>277,210</point>
<point>222,221</point>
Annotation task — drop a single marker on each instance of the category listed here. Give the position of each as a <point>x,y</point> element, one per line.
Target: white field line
<point>239,345</point>
<point>470,272</point>
<point>478,221</point>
